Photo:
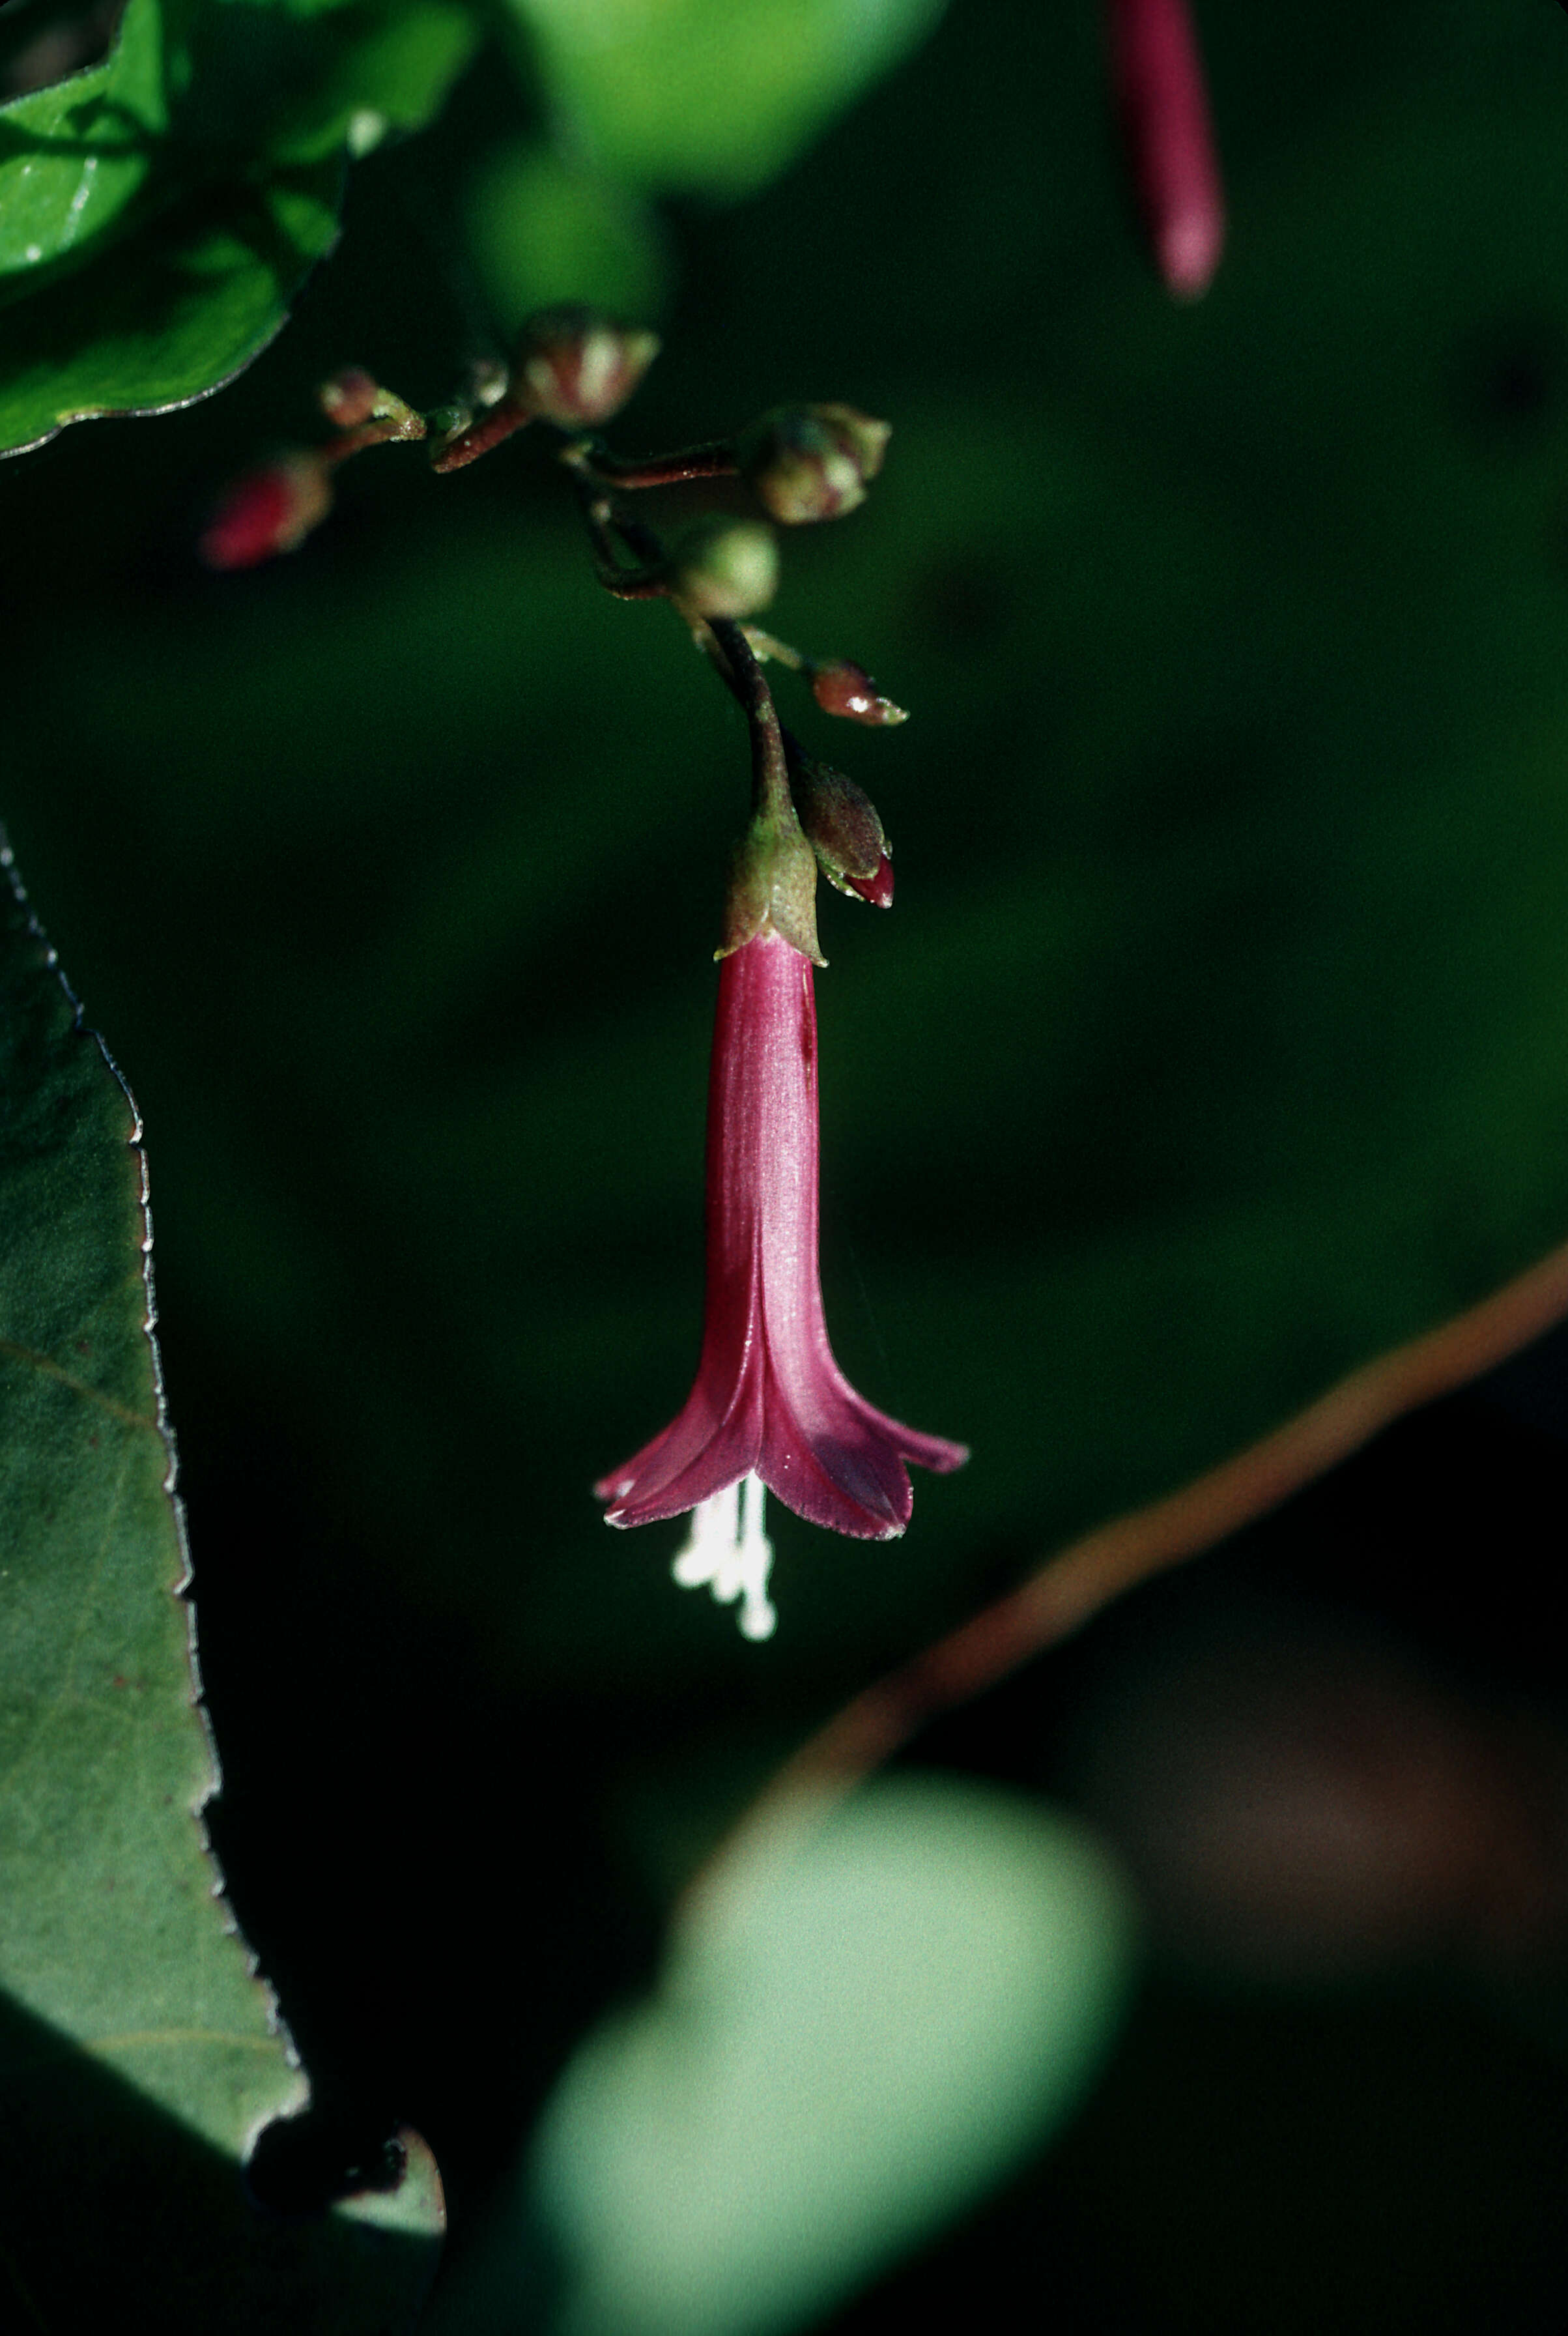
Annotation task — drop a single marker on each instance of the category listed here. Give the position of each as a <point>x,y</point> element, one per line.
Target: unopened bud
<point>843,688</point>
<point>808,462</point>
<point>840,822</point>
<point>773,887</point>
<point>353,397</point>
<point>577,366</point>
<point>723,567</point>
<point>268,511</point>
<point>349,397</point>
<point>1158,73</point>
<point>489,381</point>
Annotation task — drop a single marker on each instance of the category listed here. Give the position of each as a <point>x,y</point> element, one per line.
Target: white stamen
<point>727,1550</point>
<point>758,1616</point>
<point>712,1530</point>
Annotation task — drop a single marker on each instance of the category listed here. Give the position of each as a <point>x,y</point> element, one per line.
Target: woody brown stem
<point>749,683</point>
<point>508,413</point>
<point>714,461</point>
<point>1072,1586</point>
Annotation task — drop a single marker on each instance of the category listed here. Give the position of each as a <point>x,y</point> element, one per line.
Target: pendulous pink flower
<point>770,1402</point>
<point>1158,72</point>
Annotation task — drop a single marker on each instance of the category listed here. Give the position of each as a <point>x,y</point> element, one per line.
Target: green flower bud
<point>806,463</point>
<point>723,567</point>
<point>576,366</point>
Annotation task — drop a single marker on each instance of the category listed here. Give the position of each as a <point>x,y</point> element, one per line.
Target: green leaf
<point>72,157</point>
<point>293,80</point>
<point>159,212</point>
<point>140,2055</point>
<point>856,2033</point>
<point>542,230</point>
<point>169,317</point>
<point>701,94</point>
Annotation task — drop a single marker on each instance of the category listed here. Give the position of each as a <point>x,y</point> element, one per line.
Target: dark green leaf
<point>138,2054</point>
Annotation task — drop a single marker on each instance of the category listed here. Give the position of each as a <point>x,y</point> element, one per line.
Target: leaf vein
<point>54,1370</point>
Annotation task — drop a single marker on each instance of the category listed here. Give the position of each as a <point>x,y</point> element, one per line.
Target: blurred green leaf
<point>542,230</point>
<point>699,94</point>
<point>140,2055</point>
<point>856,2032</point>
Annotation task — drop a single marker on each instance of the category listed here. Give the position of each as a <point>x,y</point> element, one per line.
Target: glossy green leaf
<point>854,2034</point>
<point>140,2055</point>
<point>696,94</point>
<point>159,212</point>
<point>294,82</point>
<point>72,157</point>
<point>170,315</point>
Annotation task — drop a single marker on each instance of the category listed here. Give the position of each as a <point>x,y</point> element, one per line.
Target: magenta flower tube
<point>770,1401</point>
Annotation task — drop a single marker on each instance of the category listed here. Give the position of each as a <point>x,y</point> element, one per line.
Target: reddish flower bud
<point>723,567</point>
<point>349,398</point>
<point>806,463</point>
<point>578,367</point>
<point>365,412</point>
<point>770,1402</point>
<point>876,888</point>
<point>840,821</point>
<point>268,511</point>
<point>847,690</point>
<point>1158,76</point>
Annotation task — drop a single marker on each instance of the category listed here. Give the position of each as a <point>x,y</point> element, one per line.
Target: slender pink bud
<point>266,511</point>
<point>770,1400</point>
<point>1161,95</point>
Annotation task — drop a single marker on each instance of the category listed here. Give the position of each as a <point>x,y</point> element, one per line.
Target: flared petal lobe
<point>768,1396</point>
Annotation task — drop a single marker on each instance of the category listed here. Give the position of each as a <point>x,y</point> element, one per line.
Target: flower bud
<point>723,567</point>
<point>808,462</point>
<point>266,511</point>
<point>353,400</point>
<point>576,366</point>
<point>840,821</point>
<point>846,689</point>
<point>1157,70</point>
<point>349,398</point>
